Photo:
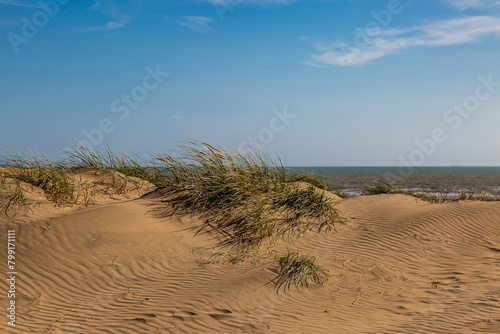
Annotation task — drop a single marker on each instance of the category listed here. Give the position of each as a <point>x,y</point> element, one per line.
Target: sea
<point>440,181</point>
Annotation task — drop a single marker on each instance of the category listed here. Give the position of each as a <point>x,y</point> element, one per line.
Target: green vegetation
<point>472,195</point>
<point>148,170</point>
<point>52,177</point>
<point>247,197</point>
<point>12,196</point>
<point>381,186</point>
<point>300,270</point>
<point>385,186</point>
<point>314,180</point>
<point>58,181</point>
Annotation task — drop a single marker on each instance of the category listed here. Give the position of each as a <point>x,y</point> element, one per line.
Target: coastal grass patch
<point>384,186</point>
<point>130,165</point>
<point>247,197</point>
<point>12,196</point>
<point>299,270</point>
<point>317,181</point>
<point>51,176</point>
<point>473,195</point>
<point>60,184</point>
<point>303,205</point>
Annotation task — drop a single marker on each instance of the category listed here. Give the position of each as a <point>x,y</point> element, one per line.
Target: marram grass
<point>51,176</point>
<point>385,186</point>
<point>299,270</point>
<point>12,196</point>
<point>59,183</point>
<point>247,197</point>
<point>130,165</point>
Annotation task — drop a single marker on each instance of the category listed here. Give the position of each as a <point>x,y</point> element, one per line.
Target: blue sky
<point>322,83</point>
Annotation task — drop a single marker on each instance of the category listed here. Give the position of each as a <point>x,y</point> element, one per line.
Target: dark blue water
<point>435,180</point>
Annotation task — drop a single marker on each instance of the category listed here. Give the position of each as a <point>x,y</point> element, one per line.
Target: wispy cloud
<point>114,14</point>
<point>198,23</point>
<point>473,4</point>
<point>111,25</point>
<point>175,117</point>
<point>96,5</point>
<point>18,3</point>
<point>257,2</point>
<point>391,41</point>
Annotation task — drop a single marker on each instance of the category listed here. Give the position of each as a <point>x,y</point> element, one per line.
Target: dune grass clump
<point>248,224</point>
<point>381,186</point>
<point>10,198</point>
<point>299,270</point>
<point>473,195</point>
<point>309,178</point>
<point>316,181</point>
<point>303,205</point>
<point>58,181</point>
<point>247,197</point>
<point>129,165</point>
<point>51,176</point>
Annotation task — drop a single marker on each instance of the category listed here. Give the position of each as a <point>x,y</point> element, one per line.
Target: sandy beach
<point>250,166</point>
<point>397,264</point>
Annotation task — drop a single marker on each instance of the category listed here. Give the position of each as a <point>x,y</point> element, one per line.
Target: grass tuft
<point>309,178</point>
<point>316,181</point>
<point>299,270</point>
<point>247,197</point>
<point>52,177</point>
<point>60,185</point>
<point>380,186</point>
<point>303,205</point>
<point>383,186</point>
<point>473,195</point>
<point>10,198</point>
<point>130,165</point>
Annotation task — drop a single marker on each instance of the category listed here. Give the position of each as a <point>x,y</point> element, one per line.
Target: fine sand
<point>397,265</point>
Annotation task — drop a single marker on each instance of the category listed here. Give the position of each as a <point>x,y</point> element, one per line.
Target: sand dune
<point>398,265</point>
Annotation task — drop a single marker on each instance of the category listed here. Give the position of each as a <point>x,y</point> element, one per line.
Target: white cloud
<point>18,3</point>
<point>114,14</point>
<point>234,3</point>
<point>364,48</point>
<point>473,4</point>
<point>175,117</point>
<point>115,25</point>
<point>96,5</point>
<point>111,25</point>
<point>198,23</point>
